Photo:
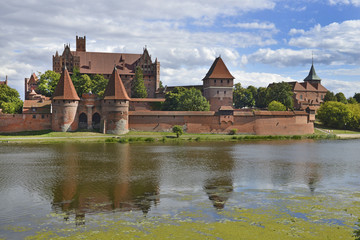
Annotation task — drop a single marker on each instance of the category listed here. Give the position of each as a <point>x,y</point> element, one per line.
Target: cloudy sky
<point>261,41</point>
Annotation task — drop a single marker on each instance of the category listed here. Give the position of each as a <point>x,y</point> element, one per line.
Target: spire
<point>312,77</point>
<point>218,70</point>
<point>115,88</point>
<point>65,89</point>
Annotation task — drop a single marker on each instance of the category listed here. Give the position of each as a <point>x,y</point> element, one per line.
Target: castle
<point>117,113</point>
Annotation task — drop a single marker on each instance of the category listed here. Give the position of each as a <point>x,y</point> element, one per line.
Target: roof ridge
<point>65,89</point>
<point>115,88</point>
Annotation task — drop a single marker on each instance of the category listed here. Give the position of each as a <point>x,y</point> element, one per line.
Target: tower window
<point>215,81</point>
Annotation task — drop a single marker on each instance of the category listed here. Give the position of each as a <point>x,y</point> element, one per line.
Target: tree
<point>178,130</point>
<point>340,97</point>
<point>336,115</point>
<point>243,97</point>
<point>260,100</point>
<point>276,106</point>
<point>351,100</point>
<point>357,97</point>
<point>329,96</point>
<point>138,88</point>
<point>281,92</point>
<point>182,99</point>
<point>10,101</point>
<point>98,84</point>
<point>48,82</point>
<point>161,84</point>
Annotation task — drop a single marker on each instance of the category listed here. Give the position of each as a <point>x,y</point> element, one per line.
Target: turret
<point>218,85</point>
<point>65,103</point>
<point>115,106</point>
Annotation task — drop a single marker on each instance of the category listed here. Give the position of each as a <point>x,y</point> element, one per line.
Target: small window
<point>221,81</point>
<point>33,109</point>
<point>34,116</point>
<point>217,92</point>
<point>42,116</point>
<point>215,81</point>
<point>224,92</point>
<point>301,97</point>
<point>228,81</point>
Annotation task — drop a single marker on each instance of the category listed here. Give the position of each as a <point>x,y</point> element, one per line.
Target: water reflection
<point>93,185</point>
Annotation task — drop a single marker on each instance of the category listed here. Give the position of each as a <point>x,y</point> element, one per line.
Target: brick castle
<point>117,112</point>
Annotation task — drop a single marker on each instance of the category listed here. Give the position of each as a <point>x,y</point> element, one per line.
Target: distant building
<point>4,82</point>
<point>93,63</point>
<point>310,92</point>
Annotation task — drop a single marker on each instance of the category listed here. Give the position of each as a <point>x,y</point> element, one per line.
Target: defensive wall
<point>24,122</point>
<point>256,122</point>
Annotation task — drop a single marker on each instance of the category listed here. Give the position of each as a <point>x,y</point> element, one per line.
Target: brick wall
<point>24,122</point>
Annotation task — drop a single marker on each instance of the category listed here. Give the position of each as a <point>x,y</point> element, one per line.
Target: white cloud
<point>258,79</point>
<point>346,87</point>
<point>356,3</point>
<point>253,25</point>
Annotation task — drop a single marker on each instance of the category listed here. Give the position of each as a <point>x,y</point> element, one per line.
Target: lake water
<point>75,188</point>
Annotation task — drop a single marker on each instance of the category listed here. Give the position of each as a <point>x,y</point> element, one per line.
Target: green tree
<point>182,99</point>
<point>138,88</point>
<point>48,82</point>
<point>281,92</point>
<point>161,84</point>
<point>276,106</point>
<point>260,100</point>
<point>329,96</point>
<point>336,115</point>
<point>243,97</point>
<point>340,97</point>
<point>178,130</point>
<point>10,101</point>
<point>357,97</point>
<point>98,84</point>
<point>351,100</point>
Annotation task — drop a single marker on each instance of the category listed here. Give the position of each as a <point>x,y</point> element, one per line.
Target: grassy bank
<point>132,136</point>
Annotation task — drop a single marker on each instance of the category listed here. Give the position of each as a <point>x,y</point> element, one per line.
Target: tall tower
<point>218,85</point>
<point>312,77</point>
<point>81,44</point>
<point>115,106</point>
<point>64,102</point>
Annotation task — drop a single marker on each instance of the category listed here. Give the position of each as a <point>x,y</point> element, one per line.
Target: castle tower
<point>81,44</point>
<point>312,77</point>
<point>218,85</point>
<point>115,106</point>
<point>65,103</point>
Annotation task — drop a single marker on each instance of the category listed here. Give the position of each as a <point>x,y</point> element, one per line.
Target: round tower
<point>64,103</point>
<point>115,106</point>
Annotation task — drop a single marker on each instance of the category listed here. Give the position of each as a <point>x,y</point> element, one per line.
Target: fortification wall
<point>24,122</point>
<point>260,123</point>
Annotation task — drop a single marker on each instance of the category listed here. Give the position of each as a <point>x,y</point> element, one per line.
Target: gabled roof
<point>296,86</point>
<point>115,88</point>
<point>218,70</point>
<point>312,75</point>
<point>319,87</point>
<point>33,79</point>
<point>308,86</point>
<point>65,89</point>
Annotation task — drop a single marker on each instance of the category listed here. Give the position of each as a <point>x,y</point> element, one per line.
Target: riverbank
<point>132,136</point>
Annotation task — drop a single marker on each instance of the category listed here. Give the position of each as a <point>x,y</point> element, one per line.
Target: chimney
<point>6,80</point>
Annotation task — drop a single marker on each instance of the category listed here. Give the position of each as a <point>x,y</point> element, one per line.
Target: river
<point>299,187</point>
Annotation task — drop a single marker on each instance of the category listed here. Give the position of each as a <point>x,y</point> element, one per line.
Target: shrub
<point>276,106</point>
<point>149,139</point>
<point>233,131</point>
<point>178,130</point>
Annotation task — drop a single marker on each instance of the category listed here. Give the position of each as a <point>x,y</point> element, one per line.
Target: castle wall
<point>24,122</point>
<point>260,123</point>
<point>115,119</point>
<point>65,118</point>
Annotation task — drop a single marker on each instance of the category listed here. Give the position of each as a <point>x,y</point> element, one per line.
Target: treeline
<point>10,101</point>
<point>278,95</point>
<point>339,112</point>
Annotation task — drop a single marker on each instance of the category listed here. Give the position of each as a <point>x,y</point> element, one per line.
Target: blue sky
<point>261,41</point>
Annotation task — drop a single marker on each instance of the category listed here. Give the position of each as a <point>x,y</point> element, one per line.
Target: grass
<point>333,130</point>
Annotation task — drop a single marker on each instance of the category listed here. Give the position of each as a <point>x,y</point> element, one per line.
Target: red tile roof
<point>33,79</point>
<point>102,63</point>
<point>115,88</point>
<point>218,70</point>
<point>65,89</point>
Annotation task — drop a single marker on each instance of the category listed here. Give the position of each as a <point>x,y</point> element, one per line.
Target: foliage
<point>48,82</point>
<point>357,97</point>
<point>260,100</point>
<point>82,82</point>
<point>10,101</point>
<point>98,84</point>
<point>329,96</point>
<point>243,97</point>
<point>182,99</point>
<point>233,131</point>
<point>340,97</point>
<point>276,106</point>
<point>282,93</point>
<point>351,100</point>
<point>138,88</point>
<point>337,115</point>
<point>161,85</point>
<point>178,130</point>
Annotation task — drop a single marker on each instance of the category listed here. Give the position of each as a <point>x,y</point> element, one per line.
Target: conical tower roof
<point>115,88</point>
<point>65,89</point>
<point>218,70</point>
<point>312,75</point>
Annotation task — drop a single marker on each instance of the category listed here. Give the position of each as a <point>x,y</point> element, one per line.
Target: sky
<point>260,41</point>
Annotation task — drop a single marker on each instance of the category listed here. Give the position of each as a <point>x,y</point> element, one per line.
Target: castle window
<point>33,109</point>
<point>221,81</point>
<point>228,81</point>
<point>34,116</point>
<point>224,92</point>
<point>217,92</point>
<point>301,97</point>
<point>215,81</point>
<point>42,116</point>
